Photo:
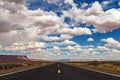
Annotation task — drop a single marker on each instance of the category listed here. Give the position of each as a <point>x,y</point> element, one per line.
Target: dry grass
<point>105,67</point>
<point>4,71</point>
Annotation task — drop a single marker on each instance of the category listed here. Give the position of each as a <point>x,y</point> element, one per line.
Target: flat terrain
<point>24,66</point>
<point>59,72</point>
<point>112,67</point>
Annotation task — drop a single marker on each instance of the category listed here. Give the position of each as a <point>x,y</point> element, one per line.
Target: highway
<point>58,72</point>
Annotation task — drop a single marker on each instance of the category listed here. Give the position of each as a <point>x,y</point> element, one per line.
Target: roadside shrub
<point>116,63</point>
<point>94,63</point>
<point>9,66</point>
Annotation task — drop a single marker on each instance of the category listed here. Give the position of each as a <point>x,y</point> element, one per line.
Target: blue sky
<point>60,29</point>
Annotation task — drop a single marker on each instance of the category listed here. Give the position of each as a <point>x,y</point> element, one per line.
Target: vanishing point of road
<point>58,71</point>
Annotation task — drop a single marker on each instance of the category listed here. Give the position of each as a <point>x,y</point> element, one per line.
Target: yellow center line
<point>59,71</point>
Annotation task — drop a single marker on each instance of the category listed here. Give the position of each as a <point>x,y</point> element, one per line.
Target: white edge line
<point>98,71</point>
<point>19,71</point>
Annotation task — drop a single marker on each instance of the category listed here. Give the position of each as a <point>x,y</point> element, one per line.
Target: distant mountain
<point>71,60</point>
<point>80,60</point>
<point>62,60</point>
<point>15,58</point>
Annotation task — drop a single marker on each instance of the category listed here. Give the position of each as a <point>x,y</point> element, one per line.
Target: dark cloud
<point>6,26</point>
<point>45,23</point>
<point>17,1</point>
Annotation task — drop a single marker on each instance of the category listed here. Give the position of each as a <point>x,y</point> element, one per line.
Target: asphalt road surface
<point>58,72</point>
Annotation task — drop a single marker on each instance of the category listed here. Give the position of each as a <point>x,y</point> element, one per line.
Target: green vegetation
<point>7,66</point>
<point>94,63</point>
<point>116,63</point>
<point>16,65</point>
<point>105,66</point>
<point>4,66</point>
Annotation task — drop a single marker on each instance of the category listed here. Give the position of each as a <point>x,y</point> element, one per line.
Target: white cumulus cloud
<point>75,31</point>
<point>56,49</point>
<point>65,37</point>
<point>90,39</point>
<point>103,21</point>
<point>111,42</point>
